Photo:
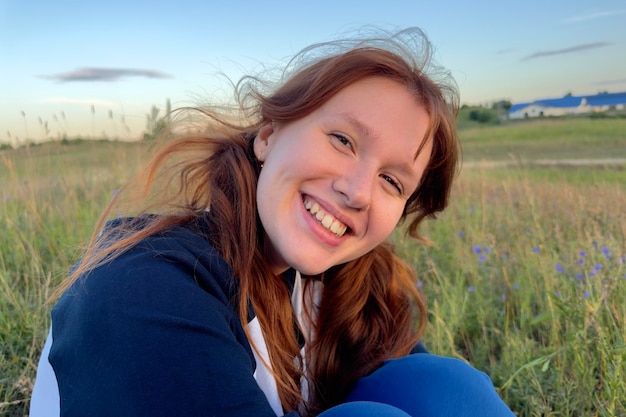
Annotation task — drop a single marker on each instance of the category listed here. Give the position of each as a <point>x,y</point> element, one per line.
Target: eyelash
<point>342,139</point>
<point>392,182</point>
<point>346,142</point>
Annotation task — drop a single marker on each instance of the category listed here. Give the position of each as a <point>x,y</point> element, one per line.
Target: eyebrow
<point>364,130</point>
<point>405,168</point>
<point>358,125</point>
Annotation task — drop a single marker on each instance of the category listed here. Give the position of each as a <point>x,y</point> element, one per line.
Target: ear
<point>263,141</point>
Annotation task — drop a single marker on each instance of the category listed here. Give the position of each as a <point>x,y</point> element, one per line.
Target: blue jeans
<point>423,385</point>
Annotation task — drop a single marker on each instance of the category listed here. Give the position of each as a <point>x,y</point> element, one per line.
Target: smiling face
<point>334,183</point>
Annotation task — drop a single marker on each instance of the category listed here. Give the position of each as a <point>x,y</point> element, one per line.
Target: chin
<point>310,271</point>
<point>310,268</point>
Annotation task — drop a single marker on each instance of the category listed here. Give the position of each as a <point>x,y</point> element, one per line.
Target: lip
<point>320,231</point>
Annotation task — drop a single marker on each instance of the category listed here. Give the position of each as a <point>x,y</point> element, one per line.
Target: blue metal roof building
<point>569,105</point>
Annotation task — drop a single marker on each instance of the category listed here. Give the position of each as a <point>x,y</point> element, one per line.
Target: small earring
<point>261,165</point>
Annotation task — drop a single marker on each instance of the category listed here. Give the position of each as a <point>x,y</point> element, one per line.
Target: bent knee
<point>421,384</point>
<point>364,409</point>
<point>429,370</point>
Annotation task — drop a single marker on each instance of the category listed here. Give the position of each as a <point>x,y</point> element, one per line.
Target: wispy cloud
<point>505,51</point>
<point>79,101</point>
<point>611,82</point>
<point>103,74</point>
<point>576,48</point>
<point>593,16</point>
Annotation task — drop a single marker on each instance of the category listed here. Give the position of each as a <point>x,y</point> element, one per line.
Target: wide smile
<point>328,221</point>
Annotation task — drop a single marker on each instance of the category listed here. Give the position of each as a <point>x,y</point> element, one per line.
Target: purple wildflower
<point>582,253</point>
<point>461,235</point>
<point>481,259</point>
<point>581,261</point>
<point>470,288</point>
<point>597,267</point>
<point>477,249</point>
<point>579,276</point>
<point>516,287</point>
<point>536,249</point>
<point>586,294</point>
<point>557,294</point>
<point>559,268</point>
<point>419,284</point>
<point>487,249</point>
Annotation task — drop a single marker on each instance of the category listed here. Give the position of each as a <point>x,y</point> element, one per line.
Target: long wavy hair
<point>370,309</point>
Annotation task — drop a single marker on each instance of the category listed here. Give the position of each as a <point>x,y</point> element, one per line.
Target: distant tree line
<point>492,114</point>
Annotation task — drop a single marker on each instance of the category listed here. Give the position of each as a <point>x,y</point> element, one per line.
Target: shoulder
<point>160,321</point>
<point>188,249</point>
<point>177,269</point>
<point>181,251</point>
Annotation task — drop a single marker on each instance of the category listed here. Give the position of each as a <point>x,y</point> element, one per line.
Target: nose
<point>356,185</point>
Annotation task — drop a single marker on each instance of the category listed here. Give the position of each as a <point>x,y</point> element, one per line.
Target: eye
<point>342,139</point>
<point>392,182</point>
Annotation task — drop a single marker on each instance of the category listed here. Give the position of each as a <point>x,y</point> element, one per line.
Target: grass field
<point>526,278</point>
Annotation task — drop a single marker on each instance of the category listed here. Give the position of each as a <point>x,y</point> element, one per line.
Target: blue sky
<point>94,67</point>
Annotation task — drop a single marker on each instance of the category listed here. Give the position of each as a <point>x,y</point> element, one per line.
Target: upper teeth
<point>325,219</point>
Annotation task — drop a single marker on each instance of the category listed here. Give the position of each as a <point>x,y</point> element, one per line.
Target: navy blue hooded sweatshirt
<point>155,332</point>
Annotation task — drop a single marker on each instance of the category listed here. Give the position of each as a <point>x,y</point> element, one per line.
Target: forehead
<point>374,95</point>
<point>378,107</point>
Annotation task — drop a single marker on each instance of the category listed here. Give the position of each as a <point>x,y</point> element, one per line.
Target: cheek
<point>384,223</point>
<point>264,197</point>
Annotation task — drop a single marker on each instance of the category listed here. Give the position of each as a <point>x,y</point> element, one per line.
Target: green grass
<point>527,281</point>
<point>595,175</point>
<point>546,139</point>
<point>50,197</point>
<point>504,281</point>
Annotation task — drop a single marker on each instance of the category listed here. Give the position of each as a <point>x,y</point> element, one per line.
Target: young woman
<point>253,277</point>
